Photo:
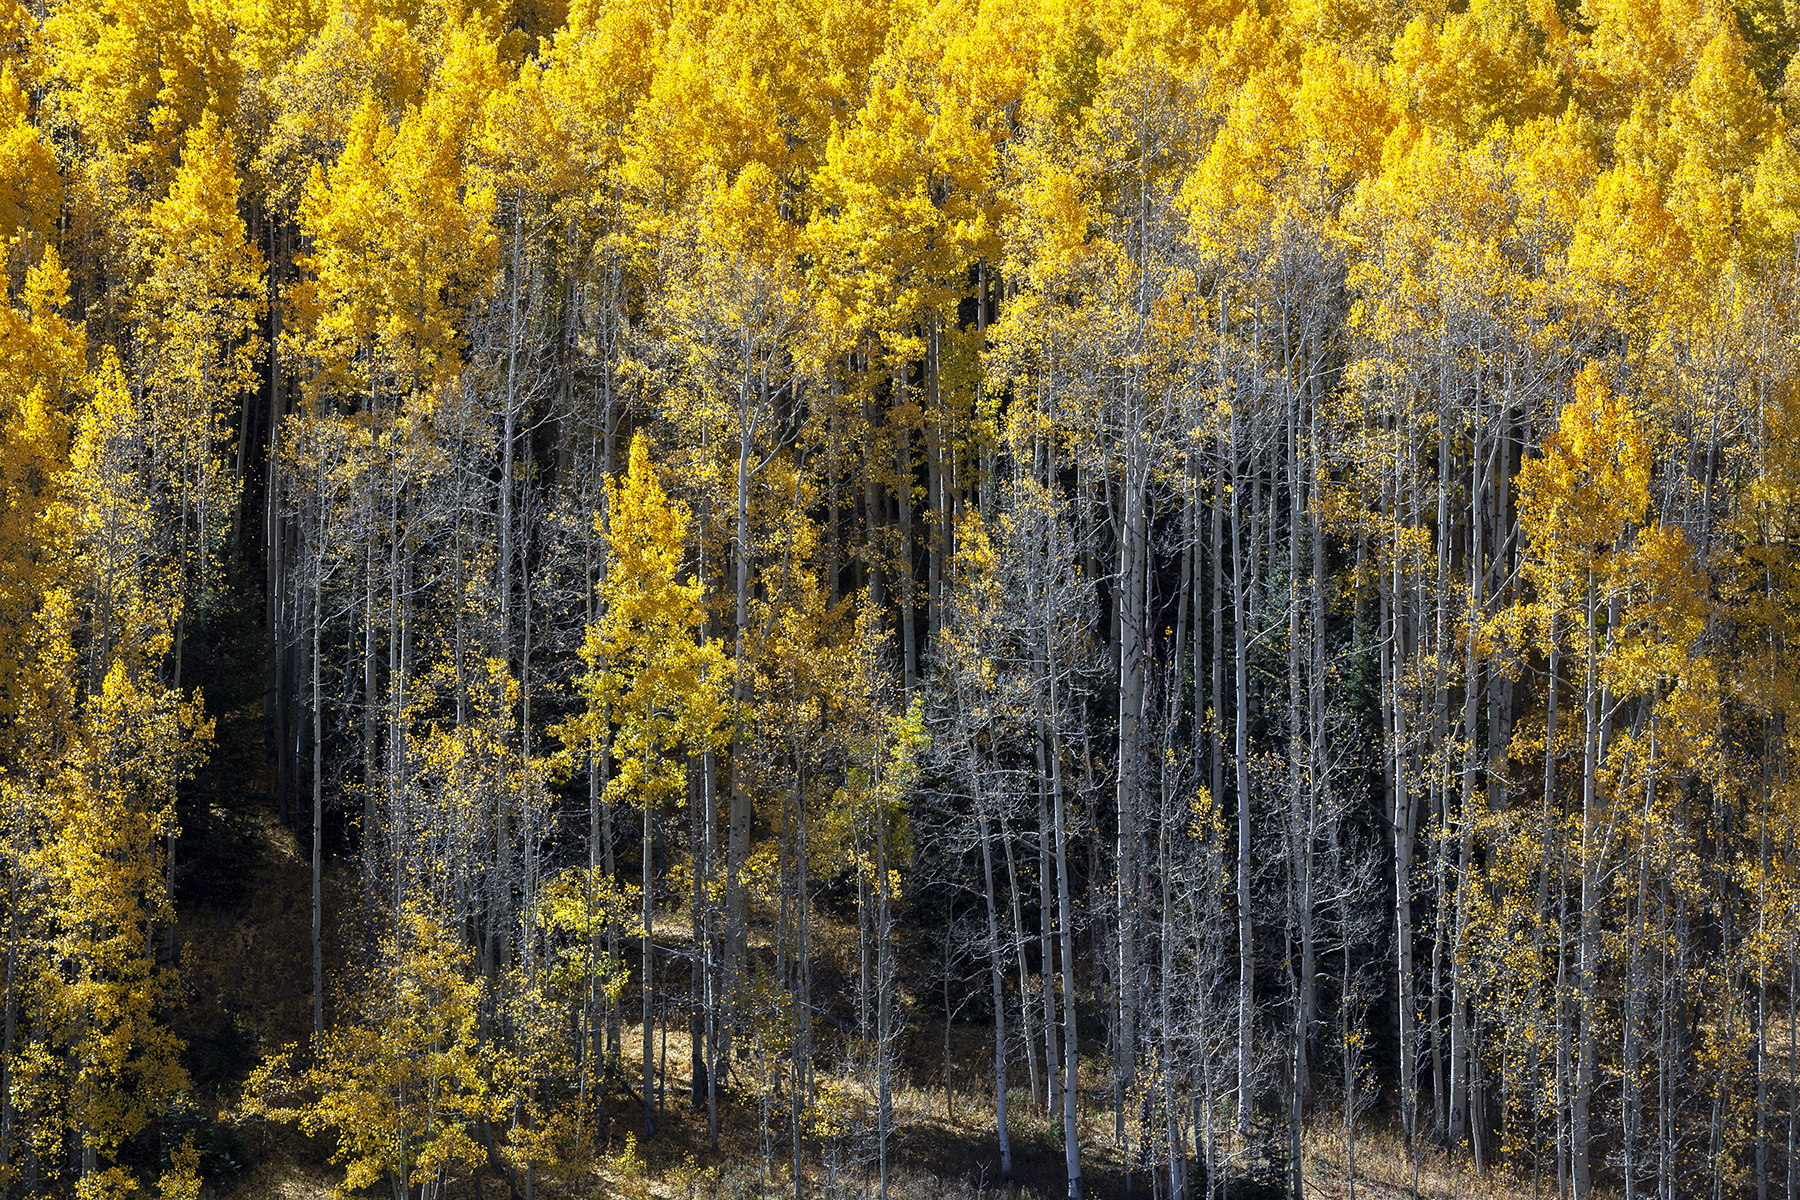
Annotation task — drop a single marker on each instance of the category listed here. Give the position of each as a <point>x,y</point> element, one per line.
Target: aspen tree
<point>734,313</point>
<point>400,1081</point>
<point>318,449</point>
<point>199,311</point>
<point>1589,489</point>
<point>969,641</point>
<point>101,743</point>
<point>32,192</point>
<point>653,675</point>
<point>42,373</point>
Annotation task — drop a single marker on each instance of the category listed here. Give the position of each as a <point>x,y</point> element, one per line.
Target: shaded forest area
<point>1178,580</point>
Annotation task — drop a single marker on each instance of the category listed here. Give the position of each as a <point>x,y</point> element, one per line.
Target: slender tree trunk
<point>647,895</point>
<point>318,779</point>
<point>1046,934</point>
<point>884,998</point>
<point>273,535</point>
<point>1018,942</point>
<point>1631,1034</point>
<point>995,973</point>
<point>1240,620</point>
<point>1402,825</point>
<point>1793,1065</point>
<point>1133,530</point>
<point>1593,856</point>
<point>371,824</point>
<point>1066,925</point>
<point>903,484</point>
<point>1459,1034</point>
<point>737,849</point>
<point>699,802</point>
<point>1173,1140</point>
<point>800,1059</point>
<point>9,1026</point>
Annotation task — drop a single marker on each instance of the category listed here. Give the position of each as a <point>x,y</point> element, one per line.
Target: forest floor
<point>245,962</point>
<point>1384,1171</point>
<point>931,1157</point>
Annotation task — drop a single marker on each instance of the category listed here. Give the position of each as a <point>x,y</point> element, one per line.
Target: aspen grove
<point>1177,582</point>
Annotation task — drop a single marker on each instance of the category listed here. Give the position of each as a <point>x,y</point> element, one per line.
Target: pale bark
<point>993,939</point>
